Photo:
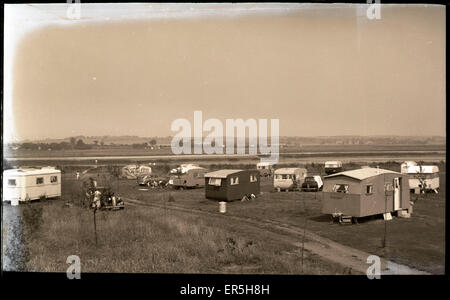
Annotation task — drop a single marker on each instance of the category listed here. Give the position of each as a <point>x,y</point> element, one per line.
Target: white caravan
<point>289,178</point>
<point>332,167</point>
<point>26,184</point>
<point>429,175</point>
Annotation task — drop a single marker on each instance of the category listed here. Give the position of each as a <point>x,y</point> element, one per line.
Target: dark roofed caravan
<point>366,192</point>
<point>228,185</point>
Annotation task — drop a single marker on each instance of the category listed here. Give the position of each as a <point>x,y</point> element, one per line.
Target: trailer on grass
<point>26,184</point>
<point>187,176</point>
<point>229,185</point>
<point>289,179</point>
<point>365,192</point>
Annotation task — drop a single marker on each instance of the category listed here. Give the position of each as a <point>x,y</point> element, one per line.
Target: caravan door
<point>396,193</point>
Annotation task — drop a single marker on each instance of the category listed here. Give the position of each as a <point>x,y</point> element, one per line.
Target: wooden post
<point>95,226</point>
<point>117,180</point>
<point>304,232</point>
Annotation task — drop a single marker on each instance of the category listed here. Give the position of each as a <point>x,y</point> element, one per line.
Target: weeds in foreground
<point>137,240</point>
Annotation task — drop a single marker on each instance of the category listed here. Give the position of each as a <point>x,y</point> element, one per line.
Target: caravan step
<point>403,213</point>
<point>387,216</point>
<point>345,219</point>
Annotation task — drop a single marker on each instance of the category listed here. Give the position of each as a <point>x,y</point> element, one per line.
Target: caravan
<point>187,176</point>
<point>26,184</point>
<point>265,168</point>
<point>229,185</point>
<point>134,171</point>
<point>418,175</point>
<point>366,192</point>
<point>332,167</point>
<point>289,178</point>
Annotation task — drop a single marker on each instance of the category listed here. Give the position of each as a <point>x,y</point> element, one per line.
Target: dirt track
<point>353,259</point>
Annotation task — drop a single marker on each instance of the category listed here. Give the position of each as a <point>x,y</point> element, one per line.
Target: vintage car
<point>103,198</point>
<point>312,184</point>
<point>152,180</point>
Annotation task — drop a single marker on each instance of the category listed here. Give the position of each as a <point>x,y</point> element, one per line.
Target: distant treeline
<point>363,140</point>
<point>76,144</point>
<point>54,146</point>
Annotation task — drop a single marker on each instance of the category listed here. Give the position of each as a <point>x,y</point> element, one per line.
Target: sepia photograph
<point>224,138</point>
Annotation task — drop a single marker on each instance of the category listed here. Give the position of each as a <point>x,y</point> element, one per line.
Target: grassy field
<point>418,242</point>
<point>140,239</point>
<point>149,241</point>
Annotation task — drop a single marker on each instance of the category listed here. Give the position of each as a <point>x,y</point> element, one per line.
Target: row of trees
<point>73,144</point>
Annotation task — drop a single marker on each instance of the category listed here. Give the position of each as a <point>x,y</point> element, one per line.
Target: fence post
<point>95,226</point>
<point>304,231</point>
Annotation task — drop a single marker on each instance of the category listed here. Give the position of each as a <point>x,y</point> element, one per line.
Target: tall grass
<point>155,241</point>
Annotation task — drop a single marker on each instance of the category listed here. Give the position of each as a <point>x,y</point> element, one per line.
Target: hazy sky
<point>321,70</point>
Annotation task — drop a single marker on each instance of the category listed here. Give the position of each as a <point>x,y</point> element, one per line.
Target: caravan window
<point>253,178</point>
<point>215,181</point>
<point>39,180</point>
<point>234,180</point>
<point>53,179</point>
<point>369,189</point>
<point>388,187</point>
<point>340,188</point>
<point>11,182</point>
<point>284,176</point>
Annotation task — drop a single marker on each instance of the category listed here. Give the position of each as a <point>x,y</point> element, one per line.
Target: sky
<point>132,70</point>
